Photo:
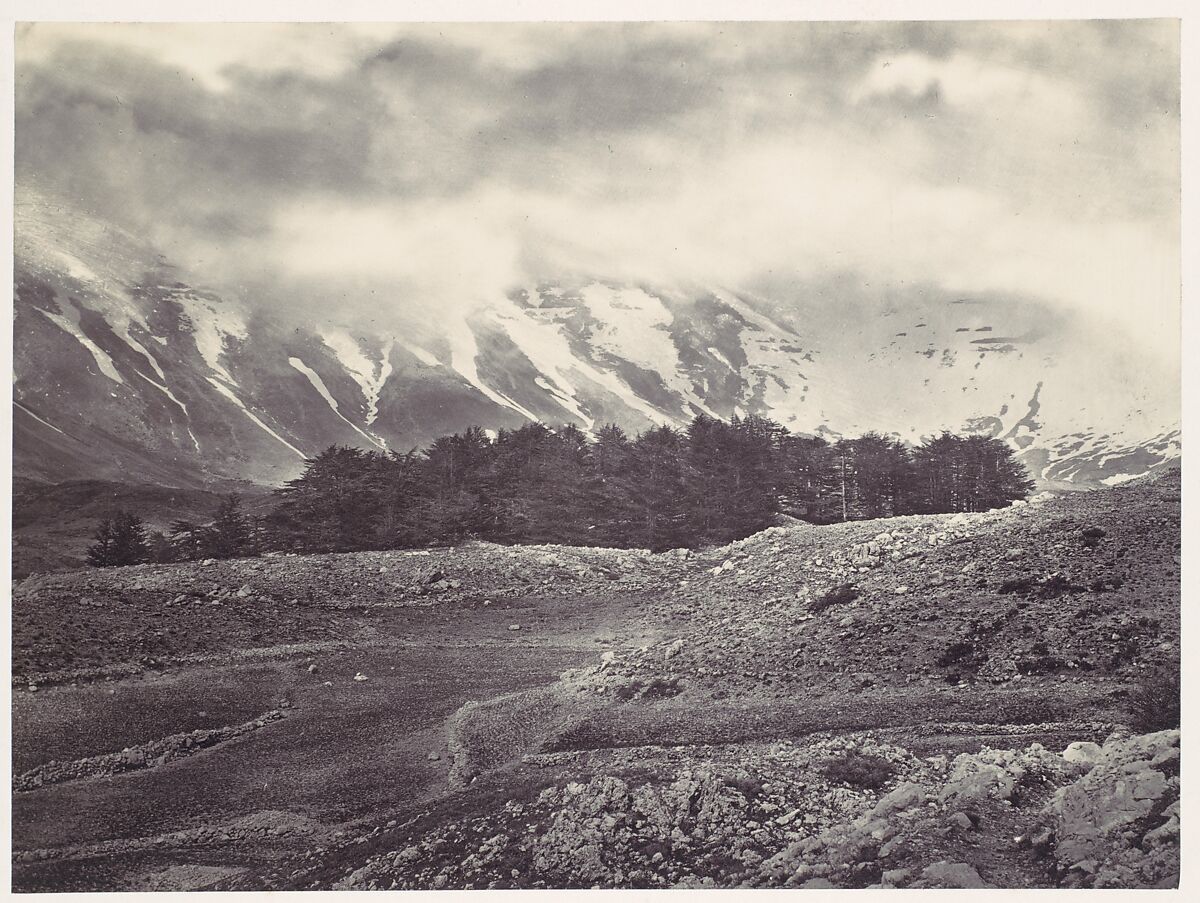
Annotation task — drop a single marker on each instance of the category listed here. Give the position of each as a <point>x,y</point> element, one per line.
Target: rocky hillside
<point>875,735</point>
<point>935,701</point>
<point>126,362</point>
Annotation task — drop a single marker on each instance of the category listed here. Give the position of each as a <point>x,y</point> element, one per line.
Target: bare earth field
<point>550,717</point>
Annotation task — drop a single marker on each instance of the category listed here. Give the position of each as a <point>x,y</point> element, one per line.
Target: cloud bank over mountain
<point>395,173</point>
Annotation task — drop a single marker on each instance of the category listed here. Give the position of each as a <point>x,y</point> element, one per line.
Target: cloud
<point>970,83</point>
<point>413,170</point>
<point>212,54</point>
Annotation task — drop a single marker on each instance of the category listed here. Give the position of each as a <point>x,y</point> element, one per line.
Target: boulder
<point>952,874</point>
<point>1083,752</point>
<point>1092,817</point>
<point>905,796</point>
<point>962,820</point>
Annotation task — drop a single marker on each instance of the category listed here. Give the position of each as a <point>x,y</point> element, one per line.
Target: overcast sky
<point>427,168</point>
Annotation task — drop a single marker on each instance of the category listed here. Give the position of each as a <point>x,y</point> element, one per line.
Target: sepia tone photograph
<point>485,455</point>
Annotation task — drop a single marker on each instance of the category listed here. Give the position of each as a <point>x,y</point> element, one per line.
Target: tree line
<point>708,484</point>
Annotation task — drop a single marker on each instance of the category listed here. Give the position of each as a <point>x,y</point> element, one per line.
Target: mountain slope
<point>125,364</point>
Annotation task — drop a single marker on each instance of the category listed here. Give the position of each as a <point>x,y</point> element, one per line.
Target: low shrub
<point>662,688</point>
<point>1040,664</point>
<point>959,651</point>
<point>860,770</point>
<point>749,787</point>
<point>658,688</point>
<point>628,691</point>
<point>1154,704</point>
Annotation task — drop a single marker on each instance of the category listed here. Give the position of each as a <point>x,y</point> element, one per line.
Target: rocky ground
<point>796,814</point>
<point>936,701</point>
<point>79,623</point>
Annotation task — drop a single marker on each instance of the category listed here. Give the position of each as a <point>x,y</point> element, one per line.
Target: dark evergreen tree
<point>330,507</point>
<point>717,482</point>
<point>873,472</point>
<point>229,534</point>
<point>661,475</point>
<point>938,474</point>
<point>734,488</point>
<point>100,553</point>
<point>456,472</point>
<point>967,473</point>
<point>395,480</point>
<point>609,493</point>
<point>119,541</point>
<point>809,479</point>
<point>159,548</point>
<point>557,489</point>
<point>186,540</point>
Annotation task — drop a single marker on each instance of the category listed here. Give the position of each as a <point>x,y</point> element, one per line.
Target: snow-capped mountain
<point>127,368</point>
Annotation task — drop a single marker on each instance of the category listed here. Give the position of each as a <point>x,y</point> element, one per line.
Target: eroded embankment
<point>144,755</point>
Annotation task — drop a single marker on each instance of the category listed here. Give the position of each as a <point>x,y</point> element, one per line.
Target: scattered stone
<point>962,820</point>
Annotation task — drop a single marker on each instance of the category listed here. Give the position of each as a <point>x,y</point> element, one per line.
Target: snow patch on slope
<point>211,327</point>
<point>634,326</point>
<point>421,354</point>
<point>150,359</point>
<point>317,383</point>
<point>371,375</point>
<point>162,386</point>
<point>720,357</point>
<point>463,353</point>
<point>228,393</point>
<point>76,268</point>
<point>70,324</point>
<point>780,377</point>
<point>1118,478</point>
<point>549,350</point>
<point>22,407</point>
